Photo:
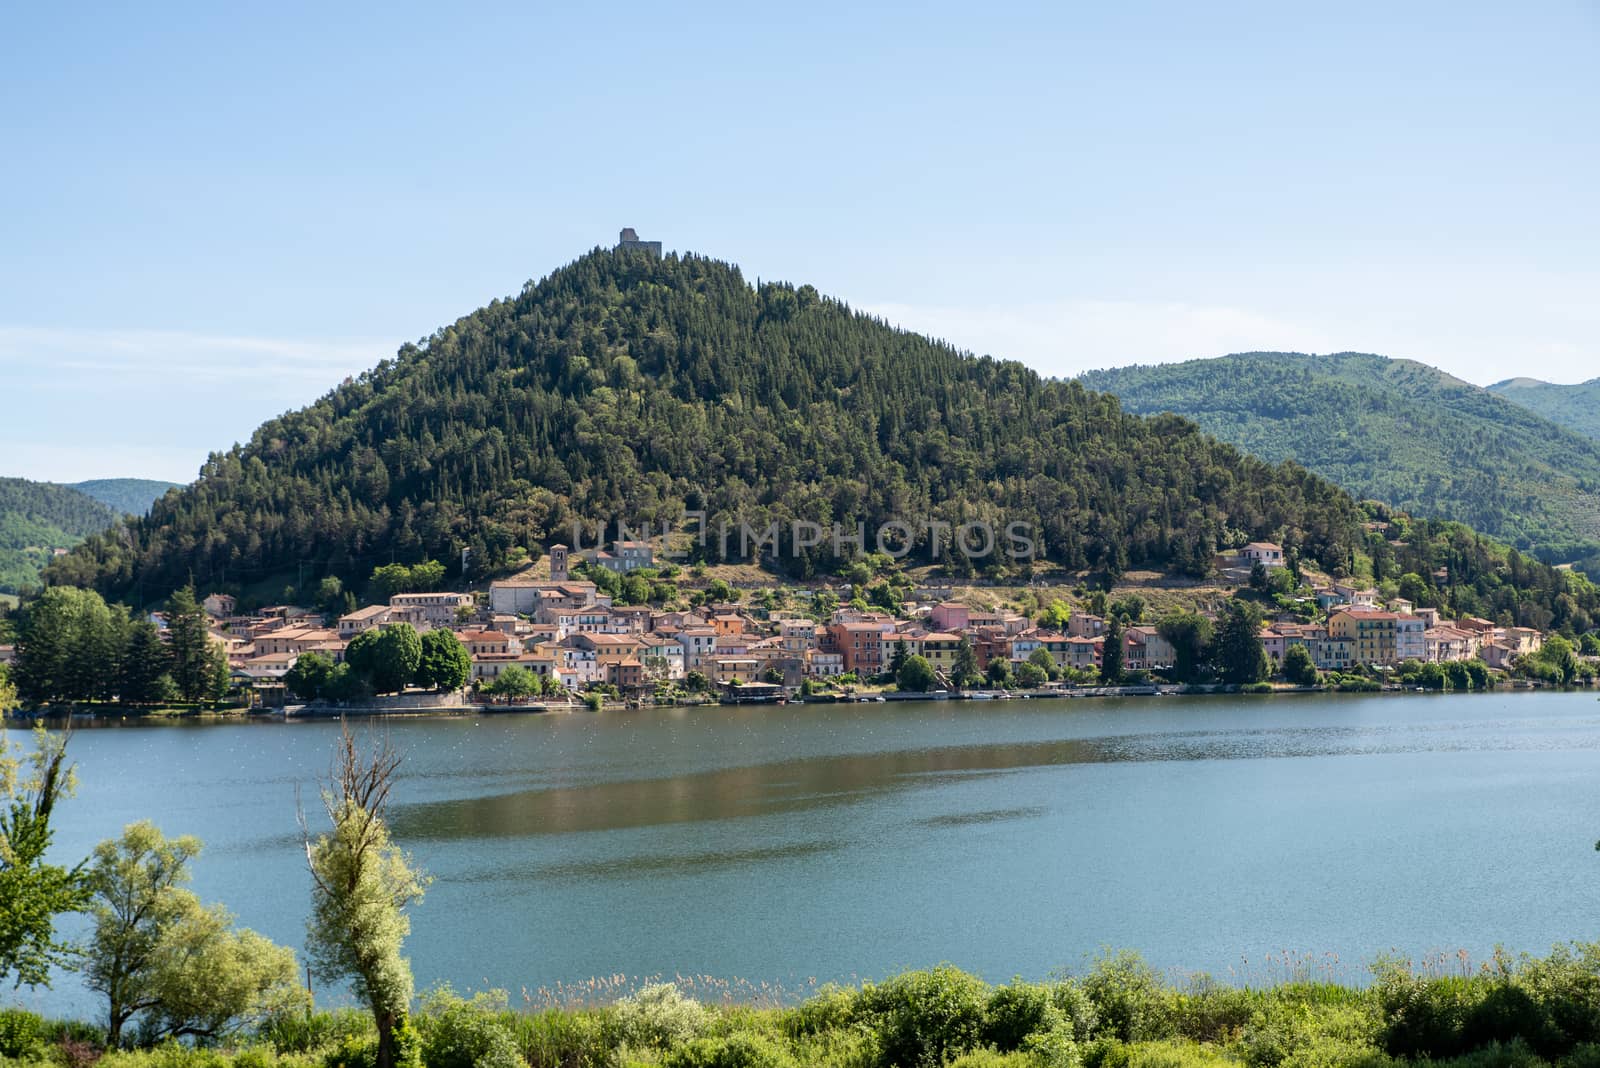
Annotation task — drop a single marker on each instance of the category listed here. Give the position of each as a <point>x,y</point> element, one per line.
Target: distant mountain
<point>131,496</point>
<point>1575,407</point>
<point>37,518</point>
<point>1395,431</point>
<point>633,387</point>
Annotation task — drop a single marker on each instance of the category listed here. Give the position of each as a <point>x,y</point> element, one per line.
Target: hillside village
<point>569,633</point>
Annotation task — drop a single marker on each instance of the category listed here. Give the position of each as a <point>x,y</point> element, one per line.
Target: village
<point>570,635</point>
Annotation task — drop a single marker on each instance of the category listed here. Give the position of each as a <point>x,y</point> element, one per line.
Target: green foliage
<point>515,681</point>
<point>146,666</point>
<point>1394,431</point>
<point>659,1017</point>
<point>22,1034</point>
<point>1190,635</point>
<point>445,663</point>
<point>923,1019</point>
<point>387,657</point>
<point>127,496</point>
<point>1576,407</point>
<point>69,647</point>
<point>160,957</point>
<point>457,1033</point>
<point>199,665</point>
<point>965,668</point>
<point>1029,674</point>
<point>1555,661</point>
<point>1130,1001</point>
<point>309,677</point>
<point>33,892</point>
<point>1111,656</point>
<point>1237,652</point>
<point>1298,667</point>
<point>36,517</point>
<point>591,396</point>
<point>916,674</point>
<point>1041,659</point>
<point>362,884</point>
<point>743,1049</point>
<point>390,579</point>
<point>1549,1006</point>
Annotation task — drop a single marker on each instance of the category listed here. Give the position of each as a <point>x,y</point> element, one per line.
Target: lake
<point>800,843</point>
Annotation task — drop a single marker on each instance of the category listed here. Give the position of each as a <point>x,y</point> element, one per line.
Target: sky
<point>213,213</point>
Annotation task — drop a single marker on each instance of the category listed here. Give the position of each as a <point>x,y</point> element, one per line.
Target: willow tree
<point>361,885</point>
<point>32,892</point>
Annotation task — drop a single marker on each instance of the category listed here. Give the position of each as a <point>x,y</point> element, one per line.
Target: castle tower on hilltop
<point>630,240</point>
<point>558,563</point>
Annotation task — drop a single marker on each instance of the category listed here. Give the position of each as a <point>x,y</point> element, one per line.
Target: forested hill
<point>131,496</point>
<point>1576,407</point>
<point>1395,431</point>
<point>625,386</point>
<point>36,517</point>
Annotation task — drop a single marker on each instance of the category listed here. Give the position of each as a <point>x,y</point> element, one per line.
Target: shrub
<point>22,1033</point>
<point>1075,1004</point>
<point>300,1032</point>
<point>831,1008</point>
<point>1210,1011</point>
<point>1172,1054</point>
<point>1019,1010</point>
<point>743,1049</point>
<point>1129,998</point>
<point>660,1017</point>
<point>1586,1055</point>
<point>352,1051</point>
<point>466,1034</point>
<point>925,1018</point>
<point>557,1039</point>
<point>988,1058</point>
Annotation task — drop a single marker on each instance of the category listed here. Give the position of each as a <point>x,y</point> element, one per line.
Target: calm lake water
<point>843,841</point>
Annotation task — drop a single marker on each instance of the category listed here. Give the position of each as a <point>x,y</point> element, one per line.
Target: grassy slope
<point>1392,430</point>
<point>1576,407</point>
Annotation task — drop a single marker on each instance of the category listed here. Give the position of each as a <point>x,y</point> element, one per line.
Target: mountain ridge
<point>132,496</point>
<point>37,518</point>
<point>1575,406</point>
<point>1393,430</point>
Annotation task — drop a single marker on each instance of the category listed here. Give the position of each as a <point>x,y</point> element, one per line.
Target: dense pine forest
<point>1394,431</point>
<point>36,517</point>
<point>628,387</point>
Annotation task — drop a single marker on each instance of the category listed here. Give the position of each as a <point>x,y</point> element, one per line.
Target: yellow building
<point>1372,635</point>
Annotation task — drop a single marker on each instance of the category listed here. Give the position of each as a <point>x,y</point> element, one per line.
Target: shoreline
<point>462,709</point>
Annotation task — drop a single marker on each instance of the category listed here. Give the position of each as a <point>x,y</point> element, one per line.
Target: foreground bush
<point>1512,1013</point>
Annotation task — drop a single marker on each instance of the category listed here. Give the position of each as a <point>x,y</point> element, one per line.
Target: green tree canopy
<point>1298,667</point>
<point>309,677</point>
<point>515,681</point>
<point>386,657</point>
<point>1237,651</point>
<point>445,663</point>
<point>916,674</point>
<point>362,885</point>
<point>1111,652</point>
<point>32,892</point>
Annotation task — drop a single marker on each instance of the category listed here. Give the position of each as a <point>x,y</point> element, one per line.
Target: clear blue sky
<point>212,215</point>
